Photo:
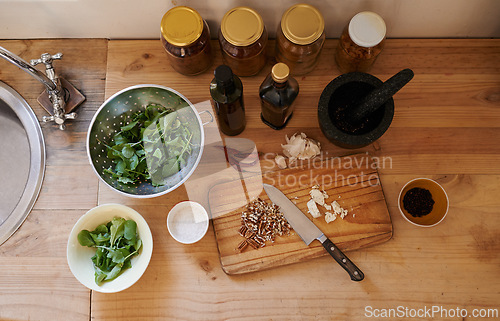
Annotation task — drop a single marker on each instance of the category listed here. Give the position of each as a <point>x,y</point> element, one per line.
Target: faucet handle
<point>57,56</point>
<point>59,119</point>
<point>46,59</point>
<point>72,115</point>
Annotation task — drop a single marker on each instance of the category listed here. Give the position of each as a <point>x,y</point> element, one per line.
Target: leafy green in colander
<point>153,146</point>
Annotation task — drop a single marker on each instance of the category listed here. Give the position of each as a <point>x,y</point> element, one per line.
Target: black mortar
<point>340,98</point>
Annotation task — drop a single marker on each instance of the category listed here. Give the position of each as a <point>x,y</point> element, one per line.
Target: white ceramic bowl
<point>187,222</point>
<point>439,209</point>
<point>79,257</point>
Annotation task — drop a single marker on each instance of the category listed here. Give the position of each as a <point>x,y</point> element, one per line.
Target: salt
<point>188,222</point>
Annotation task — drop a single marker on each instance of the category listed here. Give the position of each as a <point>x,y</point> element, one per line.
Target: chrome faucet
<point>50,80</point>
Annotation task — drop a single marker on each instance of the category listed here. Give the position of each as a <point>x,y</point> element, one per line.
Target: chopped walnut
<point>261,222</point>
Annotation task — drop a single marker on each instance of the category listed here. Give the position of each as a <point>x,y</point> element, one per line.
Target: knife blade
<point>309,232</point>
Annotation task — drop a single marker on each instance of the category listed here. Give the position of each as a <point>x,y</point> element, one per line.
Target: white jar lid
<point>367,29</point>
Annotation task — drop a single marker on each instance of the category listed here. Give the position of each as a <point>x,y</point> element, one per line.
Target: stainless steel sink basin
<point>22,160</point>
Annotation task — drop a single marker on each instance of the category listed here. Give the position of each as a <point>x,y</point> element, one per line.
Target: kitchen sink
<point>22,160</point>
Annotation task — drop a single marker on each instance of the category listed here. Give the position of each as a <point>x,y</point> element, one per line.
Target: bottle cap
<point>223,76</point>
<point>367,29</point>
<point>181,26</point>
<point>302,24</point>
<point>242,26</point>
<point>280,72</point>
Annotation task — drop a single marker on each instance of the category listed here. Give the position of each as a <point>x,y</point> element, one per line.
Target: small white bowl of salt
<point>187,222</point>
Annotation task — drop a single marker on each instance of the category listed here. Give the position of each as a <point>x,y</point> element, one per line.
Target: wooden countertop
<point>446,127</point>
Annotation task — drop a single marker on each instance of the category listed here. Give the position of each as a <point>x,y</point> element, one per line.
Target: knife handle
<point>354,272</point>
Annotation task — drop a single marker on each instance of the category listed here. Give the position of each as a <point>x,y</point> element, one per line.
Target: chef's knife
<point>310,232</point>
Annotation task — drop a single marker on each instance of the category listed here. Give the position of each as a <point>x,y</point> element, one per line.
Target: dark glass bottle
<point>277,94</point>
<point>226,90</point>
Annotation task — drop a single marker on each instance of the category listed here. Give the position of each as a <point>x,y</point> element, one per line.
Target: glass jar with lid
<point>186,38</point>
<point>300,38</point>
<point>361,42</point>
<point>243,40</point>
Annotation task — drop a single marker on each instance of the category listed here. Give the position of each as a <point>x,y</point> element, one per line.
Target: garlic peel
<point>300,147</point>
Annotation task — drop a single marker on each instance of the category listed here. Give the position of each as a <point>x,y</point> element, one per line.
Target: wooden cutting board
<point>352,181</point>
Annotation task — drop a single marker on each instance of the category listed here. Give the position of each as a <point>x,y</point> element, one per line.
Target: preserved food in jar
<point>300,38</point>
<point>186,38</point>
<point>361,42</point>
<point>243,40</point>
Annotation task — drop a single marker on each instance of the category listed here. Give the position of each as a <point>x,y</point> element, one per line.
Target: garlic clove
<point>330,217</point>
<point>280,161</point>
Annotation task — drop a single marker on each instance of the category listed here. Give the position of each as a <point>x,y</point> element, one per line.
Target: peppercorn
<point>418,202</point>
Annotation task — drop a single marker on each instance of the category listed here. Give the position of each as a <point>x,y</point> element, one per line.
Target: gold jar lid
<point>302,24</point>
<point>181,26</point>
<point>280,72</point>
<point>242,26</point>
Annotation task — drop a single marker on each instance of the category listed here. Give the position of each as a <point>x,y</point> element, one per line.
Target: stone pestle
<point>376,98</point>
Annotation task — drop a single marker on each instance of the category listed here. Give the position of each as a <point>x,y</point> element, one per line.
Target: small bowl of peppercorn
<point>423,202</point>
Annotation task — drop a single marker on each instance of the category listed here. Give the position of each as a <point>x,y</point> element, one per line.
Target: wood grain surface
<point>35,281</point>
<point>446,127</point>
<point>355,187</point>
